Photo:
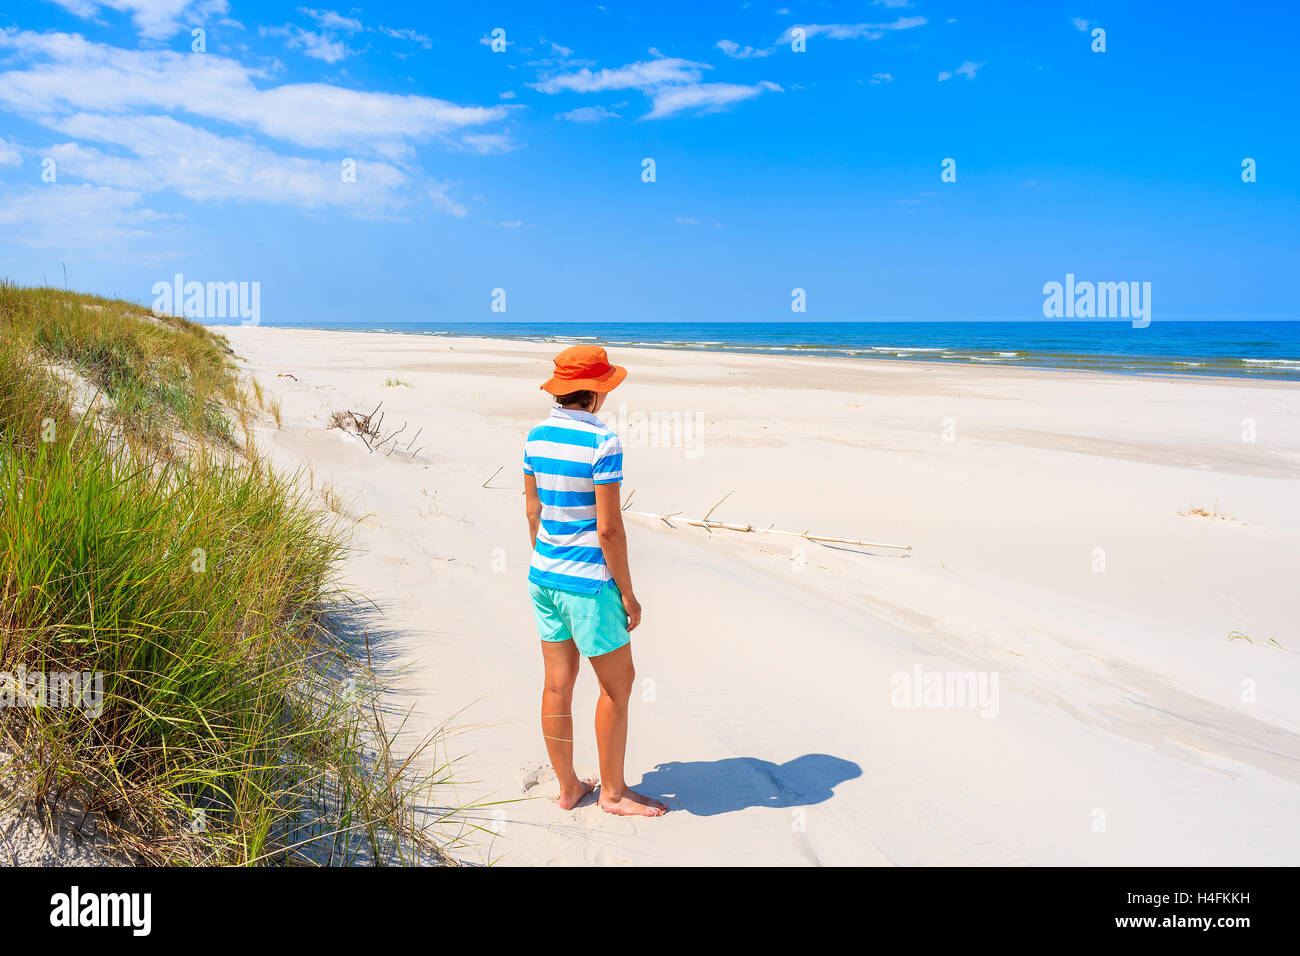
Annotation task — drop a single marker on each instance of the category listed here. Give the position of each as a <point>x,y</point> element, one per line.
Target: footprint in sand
<point>529,777</point>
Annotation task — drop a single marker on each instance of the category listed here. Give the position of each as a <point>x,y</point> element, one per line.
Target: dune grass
<point>234,725</point>
<point>161,374</point>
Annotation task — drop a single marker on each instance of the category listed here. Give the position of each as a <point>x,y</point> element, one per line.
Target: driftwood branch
<point>391,438</point>
<point>720,501</point>
<point>370,429</point>
<point>709,526</point>
<point>490,477</point>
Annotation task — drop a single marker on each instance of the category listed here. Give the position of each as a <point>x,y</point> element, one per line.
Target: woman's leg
<point>561,661</point>
<point>616,674</point>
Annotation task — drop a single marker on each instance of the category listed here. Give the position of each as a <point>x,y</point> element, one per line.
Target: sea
<point>1249,349</point>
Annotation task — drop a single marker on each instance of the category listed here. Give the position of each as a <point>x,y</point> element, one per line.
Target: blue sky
<point>775,169</point>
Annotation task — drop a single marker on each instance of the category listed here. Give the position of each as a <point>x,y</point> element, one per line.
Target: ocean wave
<point>852,344</point>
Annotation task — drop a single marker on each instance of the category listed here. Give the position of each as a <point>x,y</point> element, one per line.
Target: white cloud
<point>967,69</point>
<point>202,166</point>
<point>155,19</point>
<point>1080,24</point>
<point>489,142</point>
<point>686,220</point>
<point>437,194</point>
<point>129,121</point>
<point>672,84</point>
<point>326,45</point>
<point>406,34</point>
<point>705,97</point>
<point>9,154</point>
<point>891,3</point>
<point>852,31</point>
<point>95,219</point>
<point>734,50</point>
<point>587,114</point>
<point>882,78</point>
<point>641,75</point>
<point>832,31</point>
<point>318,46</point>
<point>75,75</point>
<point>332,20</point>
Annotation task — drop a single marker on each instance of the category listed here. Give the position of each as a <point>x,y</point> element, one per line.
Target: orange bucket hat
<point>583,368</point>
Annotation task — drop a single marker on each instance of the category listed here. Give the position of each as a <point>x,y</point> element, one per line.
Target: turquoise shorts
<point>596,623</point>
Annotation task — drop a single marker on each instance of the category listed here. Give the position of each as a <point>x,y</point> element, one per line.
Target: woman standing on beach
<point>578,578</point>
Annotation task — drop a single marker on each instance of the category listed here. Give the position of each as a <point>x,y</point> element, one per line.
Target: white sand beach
<point>1049,551</point>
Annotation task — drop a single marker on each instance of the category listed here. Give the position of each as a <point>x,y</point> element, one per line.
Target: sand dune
<point>1050,552</point>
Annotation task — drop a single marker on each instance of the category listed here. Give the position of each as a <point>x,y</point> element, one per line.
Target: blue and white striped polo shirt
<point>569,454</point>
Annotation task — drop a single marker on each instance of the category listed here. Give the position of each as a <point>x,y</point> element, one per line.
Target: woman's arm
<point>613,543</point>
<point>532,506</point>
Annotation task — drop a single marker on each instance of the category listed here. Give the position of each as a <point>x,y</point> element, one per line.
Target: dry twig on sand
<point>370,429</point>
<point>366,427</point>
<point>709,526</point>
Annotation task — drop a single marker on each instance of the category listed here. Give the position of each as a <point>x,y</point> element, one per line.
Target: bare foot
<point>568,799</point>
<point>632,804</point>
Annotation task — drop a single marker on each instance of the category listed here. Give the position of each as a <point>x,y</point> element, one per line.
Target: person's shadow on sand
<point>709,787</point>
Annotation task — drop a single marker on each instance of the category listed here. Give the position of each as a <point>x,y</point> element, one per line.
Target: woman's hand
<point>532,506</point>
<point>613,544</point>
<point>632,607</point>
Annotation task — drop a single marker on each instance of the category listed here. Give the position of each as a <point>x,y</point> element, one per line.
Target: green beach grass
<point>143,538</point>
